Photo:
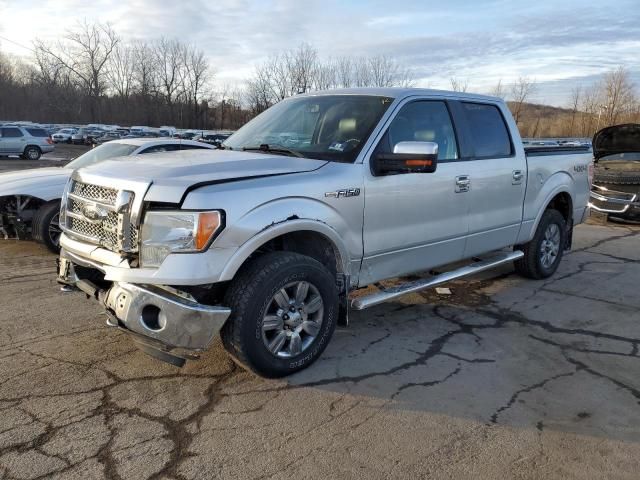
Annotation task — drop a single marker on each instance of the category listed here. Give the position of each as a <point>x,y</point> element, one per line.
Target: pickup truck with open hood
<point>616,185</point>
<point>265,240</point>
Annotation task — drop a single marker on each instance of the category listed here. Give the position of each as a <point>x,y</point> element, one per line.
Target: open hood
<point>616,140</point>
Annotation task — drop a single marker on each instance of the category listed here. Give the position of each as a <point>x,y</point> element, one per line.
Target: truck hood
<point>43,183</point>
<point>616,140</point>
<point>171,174</point>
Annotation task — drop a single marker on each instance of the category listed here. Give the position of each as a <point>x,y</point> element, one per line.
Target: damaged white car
<point>30,199</point>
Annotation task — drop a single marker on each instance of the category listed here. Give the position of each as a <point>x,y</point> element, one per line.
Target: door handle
<point>517,177</point>
<point>463,183</point>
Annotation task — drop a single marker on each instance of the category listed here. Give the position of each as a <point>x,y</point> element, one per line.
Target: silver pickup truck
<point>266,239</point>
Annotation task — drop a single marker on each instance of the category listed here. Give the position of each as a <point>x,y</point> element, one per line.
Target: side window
<point>192,147</point>
<point>161,148</point>
<point>489,133</point>
<point>37,132</point>
<point>422,121</point>
<point>11,132</point>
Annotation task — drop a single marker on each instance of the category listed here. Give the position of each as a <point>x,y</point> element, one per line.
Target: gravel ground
<point>505,378</point>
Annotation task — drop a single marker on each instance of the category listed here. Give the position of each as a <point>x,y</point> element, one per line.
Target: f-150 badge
<point>347,192</point>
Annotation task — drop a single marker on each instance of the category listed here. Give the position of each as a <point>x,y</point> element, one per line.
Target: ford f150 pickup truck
<point>266,239</point>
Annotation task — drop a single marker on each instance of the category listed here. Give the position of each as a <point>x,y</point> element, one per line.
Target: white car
<point>30,199</point>
<point>64,135</point>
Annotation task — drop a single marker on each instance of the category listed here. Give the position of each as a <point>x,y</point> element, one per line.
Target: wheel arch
<point>556,194</point>
<point>308,237</point>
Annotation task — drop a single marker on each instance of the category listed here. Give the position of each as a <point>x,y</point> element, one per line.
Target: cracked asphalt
<point>505,378</point>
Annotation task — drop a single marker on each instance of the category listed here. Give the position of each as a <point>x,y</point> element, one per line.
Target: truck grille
<point>100,215</point>
<point>95,193</point>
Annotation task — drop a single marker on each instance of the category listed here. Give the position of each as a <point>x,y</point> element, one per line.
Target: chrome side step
<point>367,301</point>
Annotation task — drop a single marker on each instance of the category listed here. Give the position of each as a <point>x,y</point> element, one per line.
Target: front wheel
<point>46,226</point>
<point>543,253</point>
<point>284,309</point>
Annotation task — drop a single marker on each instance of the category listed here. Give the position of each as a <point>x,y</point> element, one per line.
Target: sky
<point>560,44</point>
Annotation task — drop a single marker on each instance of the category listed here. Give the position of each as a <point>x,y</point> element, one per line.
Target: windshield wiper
<point>266,148</point>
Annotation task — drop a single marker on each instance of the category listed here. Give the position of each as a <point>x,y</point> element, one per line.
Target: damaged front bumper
<point>605,200</point>
<point>164,323</point>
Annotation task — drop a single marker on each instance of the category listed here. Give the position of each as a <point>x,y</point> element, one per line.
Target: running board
<point>367,301</point>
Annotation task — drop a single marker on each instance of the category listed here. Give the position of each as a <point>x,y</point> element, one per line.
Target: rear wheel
<point>284,310</point>
<point>32,153</point>
<point>46,226</point>
<point>543,253</point>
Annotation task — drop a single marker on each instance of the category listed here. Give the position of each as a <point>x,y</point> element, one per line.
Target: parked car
<point>616,185</point>
<point>319,195</point>
<point>28,142</point>
<point>93,134</point>
<point>30,199</point>
<point>80,136</point>
<point>64,135</point>
<point>107,137</point>
<point>213,138</point>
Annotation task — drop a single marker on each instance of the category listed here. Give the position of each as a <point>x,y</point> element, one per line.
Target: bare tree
<point>459,85</point>
<point>618,95</point>
<point>575,99</point>
<point>498,90</point>
<point>301,67</point>
<point>326,75</point>
<point>521,90</point>
<point>85,51</point>
<point>168,56</point>
<point>196,79</point>
<point>121,71</point>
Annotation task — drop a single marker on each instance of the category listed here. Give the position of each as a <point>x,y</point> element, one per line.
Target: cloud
<point>498,40</point>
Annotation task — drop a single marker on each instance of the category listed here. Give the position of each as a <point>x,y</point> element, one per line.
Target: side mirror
<point>407,157</point>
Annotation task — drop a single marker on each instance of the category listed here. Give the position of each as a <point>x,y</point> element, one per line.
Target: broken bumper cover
<point>164,324</point>
<point>611,201</point>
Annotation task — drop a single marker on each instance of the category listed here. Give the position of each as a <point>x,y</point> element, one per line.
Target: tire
<point>45,228</point>
<point>31,153</point>
<point>255,293</point>
<point>533,264</point>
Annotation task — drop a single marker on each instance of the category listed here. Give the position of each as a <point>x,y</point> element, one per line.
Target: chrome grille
<point>98,215</point>
<point>95,193</point>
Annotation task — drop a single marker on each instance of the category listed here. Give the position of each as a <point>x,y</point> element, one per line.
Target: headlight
<point>163,233</point>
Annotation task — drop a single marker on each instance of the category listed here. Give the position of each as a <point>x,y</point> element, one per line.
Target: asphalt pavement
<point>504,378</point>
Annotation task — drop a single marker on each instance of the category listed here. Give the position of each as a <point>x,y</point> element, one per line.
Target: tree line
<point>92,75</point>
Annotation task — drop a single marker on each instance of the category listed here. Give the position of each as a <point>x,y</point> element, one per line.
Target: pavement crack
<point>530,388</point>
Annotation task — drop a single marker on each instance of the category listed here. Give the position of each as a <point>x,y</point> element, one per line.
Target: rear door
<point>497,177</point>
<point>415,221</point>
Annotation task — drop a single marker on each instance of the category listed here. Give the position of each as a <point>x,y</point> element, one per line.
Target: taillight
<point>590,174</point>
<point>49,141</point>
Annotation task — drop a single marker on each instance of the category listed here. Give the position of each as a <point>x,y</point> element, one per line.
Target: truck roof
<point>401,92</point>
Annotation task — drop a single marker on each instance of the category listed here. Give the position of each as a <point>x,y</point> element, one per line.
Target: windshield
<point>327,127</point>
<point>103,152</point>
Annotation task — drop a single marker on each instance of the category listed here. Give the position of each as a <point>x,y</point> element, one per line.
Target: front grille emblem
<point>93,212</point>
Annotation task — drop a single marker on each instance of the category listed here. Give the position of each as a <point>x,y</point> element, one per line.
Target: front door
<point>415,221</point>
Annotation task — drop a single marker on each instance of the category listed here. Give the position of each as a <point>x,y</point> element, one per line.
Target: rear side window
<point>161,148</point>
<point>37,132</point>
<point>193,147</point>
<point>11,132</point>
<point>489,133</point>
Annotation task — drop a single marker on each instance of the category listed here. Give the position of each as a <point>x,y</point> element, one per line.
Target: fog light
<point>153,318</point>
